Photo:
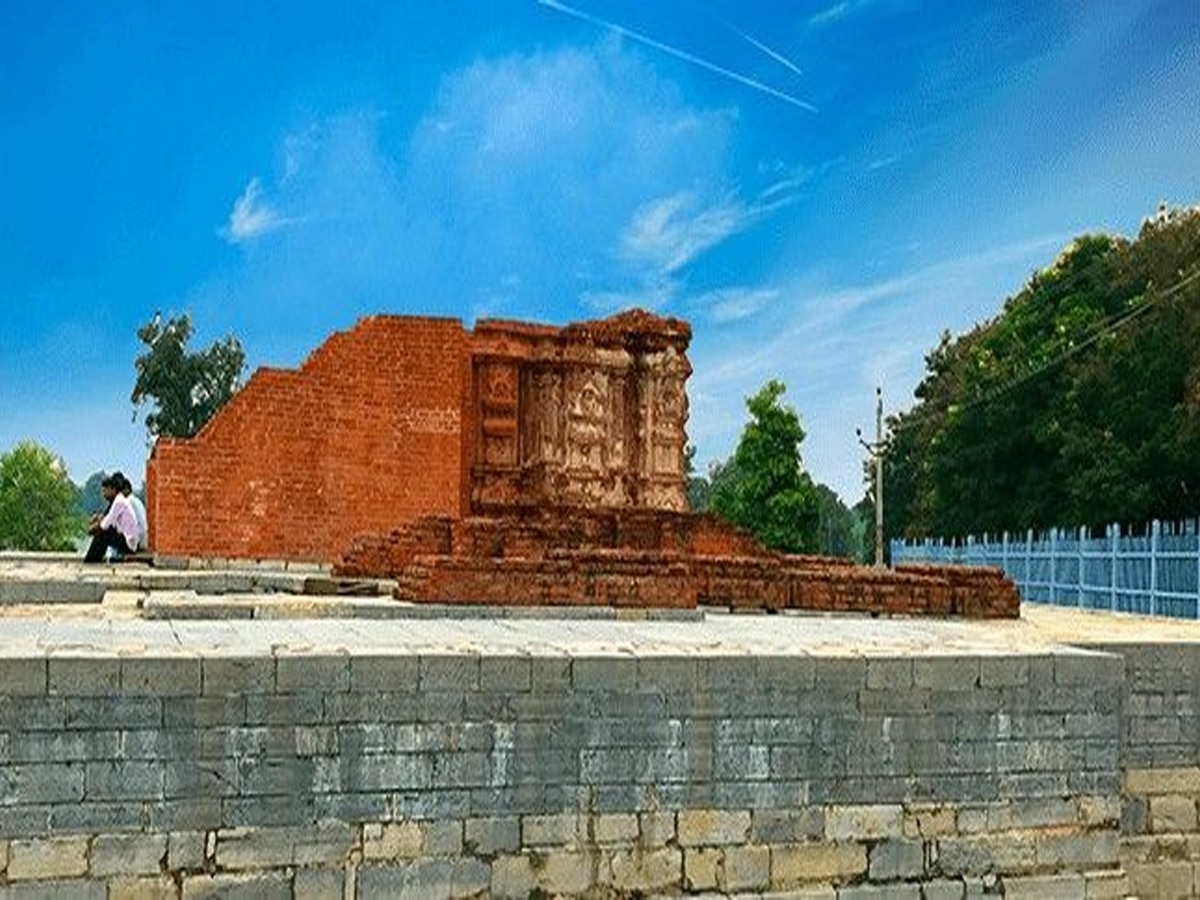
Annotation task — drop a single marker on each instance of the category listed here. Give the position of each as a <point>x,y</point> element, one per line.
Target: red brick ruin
<point>515,464</point>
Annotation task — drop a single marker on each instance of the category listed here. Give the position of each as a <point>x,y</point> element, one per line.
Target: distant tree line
<point>1079,404</point>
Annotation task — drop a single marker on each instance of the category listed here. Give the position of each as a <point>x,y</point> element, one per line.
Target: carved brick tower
<point>591,415</point>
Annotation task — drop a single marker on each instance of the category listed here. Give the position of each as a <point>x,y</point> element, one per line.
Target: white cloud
<point>251,216</point>
<point>733,304</point>
<point>836,12</point>
<point>832,345</point>
<point>668,233</point>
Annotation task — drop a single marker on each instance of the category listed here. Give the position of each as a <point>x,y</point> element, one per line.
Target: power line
<point>1107,327</point>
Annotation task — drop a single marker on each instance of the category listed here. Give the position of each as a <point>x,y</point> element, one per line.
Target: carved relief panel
<point>565,422</point>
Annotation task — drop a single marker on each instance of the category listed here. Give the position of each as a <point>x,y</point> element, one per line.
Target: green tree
<point>838,531</point>
<point>698,487</point>
<point>37,501</point>
<point>764,488</point>
<point>186,388</point>
<point>1079,404</point>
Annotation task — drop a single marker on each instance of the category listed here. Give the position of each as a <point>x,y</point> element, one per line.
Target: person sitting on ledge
<point>117,528</point>
<point>139,509</point>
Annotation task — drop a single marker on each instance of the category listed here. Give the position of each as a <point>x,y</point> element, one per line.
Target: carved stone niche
<point>663,413</point>
<point>498,454</point>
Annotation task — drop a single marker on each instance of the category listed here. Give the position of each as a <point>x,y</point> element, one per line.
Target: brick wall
<point>368,432</point>
<point>514,775</point>
<point>652,558</point>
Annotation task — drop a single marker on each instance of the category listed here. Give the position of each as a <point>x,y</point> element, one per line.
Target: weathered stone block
<point>1003,671</point>
<point>712,827</point>
<point>262,886</point>
<point>392,840</point>
<point>614,828</point>
<point>383,674</point>
<point>1006,853</point>
<point>896,858</point>
<point>943,889</point>
<point>929,821</point>
<point>889,673</point>
<point>946,673</point>
<point>787,826</point>
<point>561,829</point>
<point>1107,884</point>
<point>880,892</point>
<point>513,877</point>
<point>127,854</point>
<point>225,675</point>
<point>1046,887</point>
<point>448,673</point>
<point>1038,812</point>
<point>56,889</point>
<point>30,784</point>
<point>1100,810</point>
<point>312,674</point>
<point>1165,780</point>
<point>506,674</point>
<point>62,746</point>
<point>1087,850</point>
<point>848,823</point>
<point>161,677</point>
<point>442,838</point>
<point>1172,812</point>
<point>125,780</point>
<point>485,837</point>
<point>185,850</point>
<point>319,884</point>
<point>565,872</point>
<point>160,888</point>
<point>700,868</point>
<point>801,863</point>
<point>86,677</point>
<point>744,868</point>
<point>656,829</point>
<point>23,677</point>
<point>647,871</point>
<point>51,857</point>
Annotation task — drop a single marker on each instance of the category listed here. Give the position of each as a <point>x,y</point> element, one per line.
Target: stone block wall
<point>472,775</point>
<point>1160,740</point>
<point>368,432</point>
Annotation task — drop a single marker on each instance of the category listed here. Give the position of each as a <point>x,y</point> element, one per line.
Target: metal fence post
<point>1053,565</point>
<point>1079,549</point>
<point>1114,532</point>
<point>1028,560</point>
<point>1154,568</point>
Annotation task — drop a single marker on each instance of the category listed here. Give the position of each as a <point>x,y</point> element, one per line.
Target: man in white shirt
<point>117,528</point>
<point>139,509</point>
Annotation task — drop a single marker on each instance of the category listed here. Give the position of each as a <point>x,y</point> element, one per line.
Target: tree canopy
<point>1078,405</point>
<point>37,501</point>
<point>763,487</point>
<point>185,388</point>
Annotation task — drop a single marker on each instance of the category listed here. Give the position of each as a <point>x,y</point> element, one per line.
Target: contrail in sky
<point>678,54</point>
<point>774,54</point>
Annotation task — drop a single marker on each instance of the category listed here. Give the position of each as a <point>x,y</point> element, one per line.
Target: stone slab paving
<point>53,578</point>
<point>59,633</point>
<point>154,611</point>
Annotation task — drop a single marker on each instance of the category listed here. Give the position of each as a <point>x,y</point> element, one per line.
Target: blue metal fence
<point>1153,570</point>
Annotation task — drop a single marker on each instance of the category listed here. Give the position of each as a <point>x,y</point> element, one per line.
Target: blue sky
<point>820,188</point>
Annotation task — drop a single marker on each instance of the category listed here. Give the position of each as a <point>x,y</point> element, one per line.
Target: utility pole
<point>876,450</point>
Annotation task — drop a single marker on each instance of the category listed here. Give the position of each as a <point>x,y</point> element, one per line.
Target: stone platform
<point>586,752</point>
